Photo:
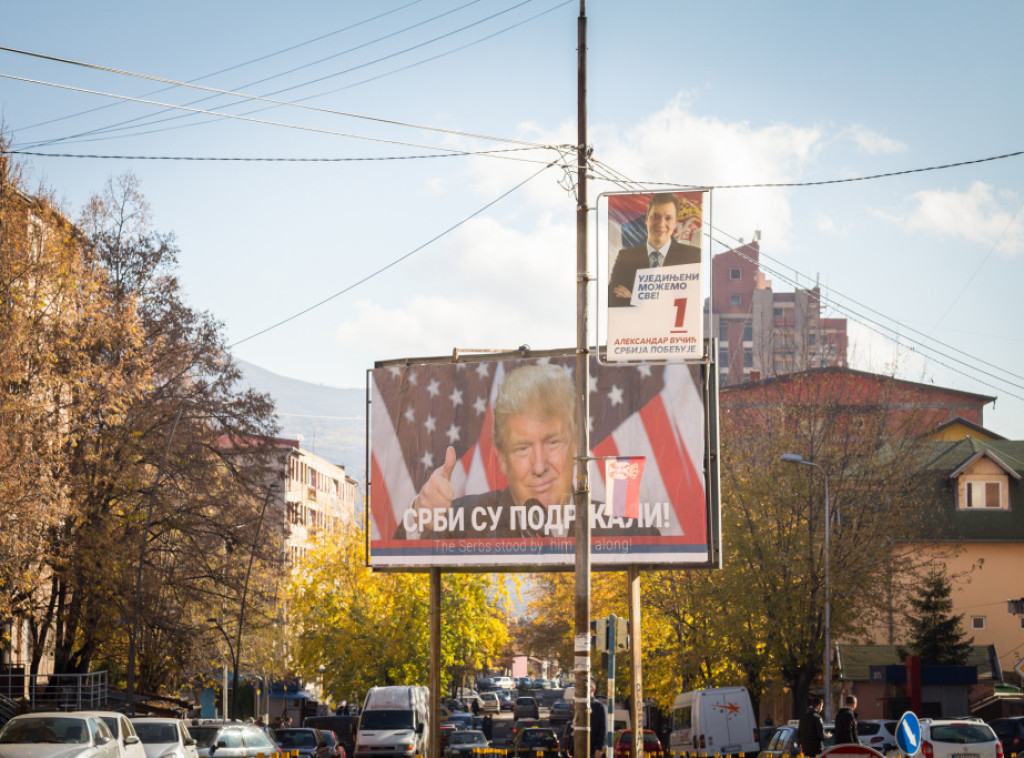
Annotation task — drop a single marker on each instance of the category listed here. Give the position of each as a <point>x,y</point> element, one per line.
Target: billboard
<point>654,295</point>
<point>472,464</point>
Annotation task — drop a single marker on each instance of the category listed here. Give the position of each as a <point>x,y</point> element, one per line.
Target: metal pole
<point>435,662</point>
<point>241,608</point>
<point>130,686</point>
<point>581,498</point>
<point>636,679</point>
<point>828,604</point>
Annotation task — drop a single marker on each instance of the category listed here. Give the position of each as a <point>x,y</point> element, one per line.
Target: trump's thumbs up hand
<point>437,493</point>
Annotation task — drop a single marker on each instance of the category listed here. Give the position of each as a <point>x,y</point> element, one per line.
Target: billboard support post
<point>581,494</point>
<point>636,678</point>
<point>435,662</point>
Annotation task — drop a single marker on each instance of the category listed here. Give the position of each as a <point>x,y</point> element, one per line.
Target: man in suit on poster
<point>660,249</point>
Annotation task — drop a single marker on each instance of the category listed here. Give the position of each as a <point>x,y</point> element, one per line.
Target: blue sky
<point>926,265</point>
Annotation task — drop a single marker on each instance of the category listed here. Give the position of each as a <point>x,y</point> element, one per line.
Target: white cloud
<point>871,142</point>
<point>828,225</point>
<point>977,215</point>
<point>871,351</point>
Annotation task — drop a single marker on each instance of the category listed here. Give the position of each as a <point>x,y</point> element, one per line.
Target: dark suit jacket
<point>631,259</point>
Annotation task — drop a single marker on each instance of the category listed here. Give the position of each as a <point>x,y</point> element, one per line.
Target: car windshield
<point>467,738</point>
<point>386,720</point>
<point>296,738</point>
<point>962,733</point>
<point>155,734</point>
<point>44,729</point>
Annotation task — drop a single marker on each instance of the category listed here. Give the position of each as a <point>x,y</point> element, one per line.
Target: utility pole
<point>581,664</point>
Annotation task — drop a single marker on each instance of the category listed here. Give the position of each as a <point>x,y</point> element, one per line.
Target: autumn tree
<point>364,628</point>
<point>123,425</point>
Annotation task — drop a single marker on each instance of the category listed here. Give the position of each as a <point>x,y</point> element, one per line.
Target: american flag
<point>650,410</point>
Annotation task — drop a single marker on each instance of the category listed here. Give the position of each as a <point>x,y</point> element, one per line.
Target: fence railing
<point>58,692</point>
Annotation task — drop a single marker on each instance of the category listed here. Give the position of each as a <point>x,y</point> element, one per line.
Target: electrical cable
<point>258,98</point>
<point>393,263</point>
<point>123,125</point>
<point>237,117</point>
<point>232,67</point>
<point>823,182</point>
<point>198,158</point>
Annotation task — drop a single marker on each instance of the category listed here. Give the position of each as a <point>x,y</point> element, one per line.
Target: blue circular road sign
<point>908,733</point>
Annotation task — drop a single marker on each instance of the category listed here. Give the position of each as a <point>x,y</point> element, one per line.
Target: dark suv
<point>342,725</point>
<point>1010,731</point>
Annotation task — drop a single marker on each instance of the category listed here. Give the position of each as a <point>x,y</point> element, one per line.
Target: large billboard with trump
<point>473,464</point>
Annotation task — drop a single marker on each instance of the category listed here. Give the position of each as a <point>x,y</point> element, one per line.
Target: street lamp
<point>794,458</point>
<point>245,591</point>
<point>234,665</point>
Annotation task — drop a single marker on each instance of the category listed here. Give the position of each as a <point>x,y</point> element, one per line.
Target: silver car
<point>165,738</point>
<point>57,735</point>
<point>233,740</point>
<point>128,743</point>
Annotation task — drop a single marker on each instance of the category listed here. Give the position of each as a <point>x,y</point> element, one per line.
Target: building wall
<point>319,498</point>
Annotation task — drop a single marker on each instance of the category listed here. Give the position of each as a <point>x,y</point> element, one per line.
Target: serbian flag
<point>622,486</point>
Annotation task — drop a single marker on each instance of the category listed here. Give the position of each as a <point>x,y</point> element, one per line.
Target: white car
<point>959,738</point>
<point>165,738</point>
<point>489,702</point>
<point>128,743</point>
<point>57,735</point>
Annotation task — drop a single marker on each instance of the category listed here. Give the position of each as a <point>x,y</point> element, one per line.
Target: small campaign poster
<point>655,298</point>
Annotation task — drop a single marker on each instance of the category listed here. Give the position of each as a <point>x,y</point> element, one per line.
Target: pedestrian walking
<point>846,723</point>
<point>811,732</point>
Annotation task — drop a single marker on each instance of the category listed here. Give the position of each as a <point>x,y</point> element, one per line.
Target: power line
<point>243,159</point>
<point>393,263</point>
<point>236,117</point>
<point>123,125</point>
<point>235,66</point>
<point>256,98</point>
<point>828,181</point>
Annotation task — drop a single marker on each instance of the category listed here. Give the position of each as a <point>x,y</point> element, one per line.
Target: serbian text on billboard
<point>655,305</point>
<point>472,464</point>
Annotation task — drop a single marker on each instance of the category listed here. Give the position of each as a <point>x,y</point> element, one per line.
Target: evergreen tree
<point>936,635</point>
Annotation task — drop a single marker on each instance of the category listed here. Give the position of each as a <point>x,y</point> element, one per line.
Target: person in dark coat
<point>846,723</point>
<point>811,732</point>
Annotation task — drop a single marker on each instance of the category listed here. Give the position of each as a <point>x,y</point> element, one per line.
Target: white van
<point>394,722</point>
<point>720,720</point>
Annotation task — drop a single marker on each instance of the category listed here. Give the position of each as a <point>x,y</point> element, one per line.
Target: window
<point>977,622</point>
<point>735,301</point>
<point>748,357</point>
<point>723,331</point>
<point>748,332</point>
<point>983,495</point>
<point>734,273</point>
<point>1022,622</point>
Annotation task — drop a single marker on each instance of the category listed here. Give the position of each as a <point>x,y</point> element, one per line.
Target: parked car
<point>532,741</point>
<point>232,740</point>
<point>1010,731</point>
<point>526,707</point>
<point>462,744</point>
<point>336,748</point>
<point>128,743</point>
<point>946,738</point>
<point>561,712</point>
<point>341,724</point>
<point>57,735</point>
<point>445,732</point>
<point>461,721</point>
<point>877,733</point>
<point>623,744</point>
<point>765,734</point>
<point>784,743</point>
<point>165,738</point>
<point>489,702</point>
<point>309,743</point>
